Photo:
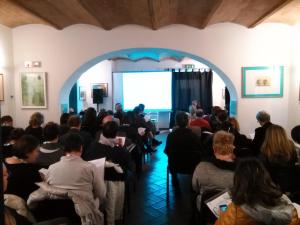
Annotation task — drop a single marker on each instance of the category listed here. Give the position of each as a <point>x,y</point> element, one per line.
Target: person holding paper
<point>256,199</point>
<point>73,173</point>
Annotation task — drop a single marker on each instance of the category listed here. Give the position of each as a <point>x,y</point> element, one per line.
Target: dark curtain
<point>189,86</point>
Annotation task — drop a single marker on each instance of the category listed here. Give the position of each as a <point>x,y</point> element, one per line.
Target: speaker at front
<point>97,96</point>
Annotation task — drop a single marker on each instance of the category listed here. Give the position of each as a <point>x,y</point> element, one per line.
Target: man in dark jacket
<point>183,147</point>
<point>263,118</point>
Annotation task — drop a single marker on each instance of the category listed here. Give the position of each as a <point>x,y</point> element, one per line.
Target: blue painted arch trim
<point>149,52</point>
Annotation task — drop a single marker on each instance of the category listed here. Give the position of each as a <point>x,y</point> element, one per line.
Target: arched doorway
<point>154,53</point>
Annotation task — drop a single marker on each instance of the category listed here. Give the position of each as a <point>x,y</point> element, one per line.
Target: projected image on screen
<point>150,88</point>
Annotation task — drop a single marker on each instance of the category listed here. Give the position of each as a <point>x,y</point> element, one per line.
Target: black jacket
<point>259,138</point>
<point>116,155</point>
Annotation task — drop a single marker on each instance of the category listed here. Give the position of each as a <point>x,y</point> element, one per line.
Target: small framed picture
<point>33,90</point>
<point>262,81</point>
<point>82,94</point>
<point>103,86</point>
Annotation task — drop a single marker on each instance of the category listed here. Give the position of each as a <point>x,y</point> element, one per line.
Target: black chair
<point>52,209</point>
<point>181,163</point>
<point>201,213</point>
<point>287,178</point>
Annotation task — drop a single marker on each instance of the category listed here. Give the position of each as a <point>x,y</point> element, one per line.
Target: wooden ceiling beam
<point>93,7</point>
<point>273,10</point>
<point>28,9</point>
<point>153,15</point>
<point>211,14</point>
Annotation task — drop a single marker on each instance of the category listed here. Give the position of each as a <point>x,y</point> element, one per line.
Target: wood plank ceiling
<point>154,14</point>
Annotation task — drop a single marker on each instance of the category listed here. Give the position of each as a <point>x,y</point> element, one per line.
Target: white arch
<point>156,52</point>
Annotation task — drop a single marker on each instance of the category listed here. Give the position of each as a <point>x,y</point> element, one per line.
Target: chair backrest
<point>184,162</point>
<point>51,209</point>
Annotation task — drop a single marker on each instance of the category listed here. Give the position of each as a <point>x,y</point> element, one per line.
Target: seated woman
<point>15,210</point>
<point>256,199</point>
<point>35,126</point>
<point>23,173</point>
<point>216,173</point>
<point>279,155</point>
<point>277,149</point>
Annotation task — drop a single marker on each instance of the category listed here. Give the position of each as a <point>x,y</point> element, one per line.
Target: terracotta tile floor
<point>148,203</point>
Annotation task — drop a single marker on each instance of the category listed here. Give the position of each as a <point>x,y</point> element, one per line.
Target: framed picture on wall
<point>103,86</point>
<point>82,94</point>
<point>262,81</point>
<point>33,90</point>
<point>1,88</point>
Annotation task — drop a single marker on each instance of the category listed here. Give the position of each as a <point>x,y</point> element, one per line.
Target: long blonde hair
<point>276,146</point>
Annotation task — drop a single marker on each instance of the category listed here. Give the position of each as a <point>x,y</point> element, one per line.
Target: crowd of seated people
<point>51,159</point>
<point>221,146</point>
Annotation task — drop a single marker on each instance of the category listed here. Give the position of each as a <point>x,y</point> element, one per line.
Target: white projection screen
<point>153,89</point>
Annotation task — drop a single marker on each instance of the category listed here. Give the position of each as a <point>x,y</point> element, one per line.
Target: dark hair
<point>16,134</point>
<point>36,119</point>
<point>199,113</point>
<point>26,144</point>
<point>74,121</point>
<point>253,185</point>
<point>222,116</point>
<point>128,118</point>
<point>110,112</point>
<point>64,118</point>
<point>141,107</point>
<point>72,142</point>
<point>110,129</point>
<point>137,110</point>
<point>101,115</point>
<point>6,119</point>
<point>295,133</point>
<point>51,131</point>
<point>89,117</point>
<point>182,119</point>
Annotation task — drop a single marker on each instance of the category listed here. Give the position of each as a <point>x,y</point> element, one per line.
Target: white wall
<point>100,73</point>
<point>294,89</point>
<point>6,68</point>
<point>228,46</point>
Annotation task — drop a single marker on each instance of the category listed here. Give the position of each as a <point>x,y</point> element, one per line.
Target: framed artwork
<point>103,86</point>
<point>82,94</point>
<point>1,88</point>
<point>262,81</point>
<point>33,90</point>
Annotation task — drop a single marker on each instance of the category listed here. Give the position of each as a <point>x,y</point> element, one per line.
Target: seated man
<point>199,121</point>
<point>263,118</point>
<point>183,147</point>
<point>74,124</point>
<point>73,173</point>
<point>216,173</point>
<point>73,178</point>
<point>50,150</point>
<point>109,148</point>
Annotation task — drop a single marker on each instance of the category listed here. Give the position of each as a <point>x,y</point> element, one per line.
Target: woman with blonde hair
<point>277,149</point>
<point>216,173</point>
